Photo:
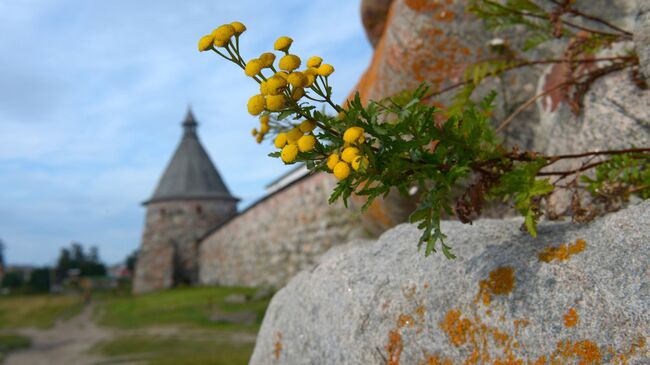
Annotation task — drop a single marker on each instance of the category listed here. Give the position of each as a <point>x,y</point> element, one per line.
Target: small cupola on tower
<point>190,200</point>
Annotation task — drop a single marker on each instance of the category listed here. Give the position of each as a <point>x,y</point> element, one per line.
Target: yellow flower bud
<point>224,32</point>
<point>282,44</point>
<point>341,170</point>
<point>289,62</point>
<point>359,162</point>
<point>267,59</point>
<point>254,132</point>
<point>264,88</point>
<point>306,143</point>
<point>297,79</point>
<point>294,135</point>
<point>260,138</point>
<point>220,43</point>
<point>325,69</point>
<point>264,128</point>
<point>349,153</point>
<point>332,160</point>
<point>297,93</point>
<point>256,104</point>
<point>275,84</point>
<point>275,103</point>
<point>264,119</point>
<point>239,27</point>
<point>205,43</point>
<point>253,67</point>
<point>342,114</point>
<point>352,134</point>
<point>362,139</point>
<point>307,126</point>
<point>282,74</point>
<point>311,74</point>
<point>314,61</point>
<point>280,140</point>
<point>289,153</point>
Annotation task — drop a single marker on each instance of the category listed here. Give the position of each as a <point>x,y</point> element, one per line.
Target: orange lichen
<point>435,360</point>
<point>456,328</point>
<point>501,281</point>
<point>571,318</point>
<point>405,320</point>
<point>586,352</point>
<point>563,252</point>
<point>394,347</point>
<point>277,347</point>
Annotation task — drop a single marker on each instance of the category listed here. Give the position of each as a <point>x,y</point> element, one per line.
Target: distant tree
<point>131,260</point>
<point>39,280</point>
<point>75,258</point>
<point>2,257</point>
<point>12,280</point>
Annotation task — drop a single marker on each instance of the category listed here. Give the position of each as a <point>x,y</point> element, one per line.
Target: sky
<point>92,94</point>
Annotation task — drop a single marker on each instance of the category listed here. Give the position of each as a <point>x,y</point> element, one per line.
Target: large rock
<point>508,298</point>
<point>642,38</point>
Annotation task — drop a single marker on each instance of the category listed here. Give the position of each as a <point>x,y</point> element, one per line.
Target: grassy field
<point>37,310</point>
<point>157,350</point>
<point>183,306</point>
<point>10,342</point>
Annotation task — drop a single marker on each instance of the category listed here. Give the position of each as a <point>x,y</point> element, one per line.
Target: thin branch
<point>576,12</point>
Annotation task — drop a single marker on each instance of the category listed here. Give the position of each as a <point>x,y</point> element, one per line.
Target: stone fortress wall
<point>278,236</point>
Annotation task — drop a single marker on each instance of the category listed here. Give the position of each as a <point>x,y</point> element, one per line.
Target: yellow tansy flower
<point>297,93</point>
<point>275,103</point>
<point>264,128</point>
<point>294,135</point>
<point>254,132</point>
<point>297,79</point>
<point>311,74</point>
<point>205,43</point>
<point>282,44</point>
<point>224,32</point>
<point>282,74</point>
<point>267,59</point>
<point>239,27</point>
<point>349,153</point>
<point>280,140</point>
<point>260,138</point>
<point>352,134</point>
<point>253,67</point>
<point>314,61</point>
<point>256,104</point>
<point>358,162</point>
<point>275,84</point>
<point>307,126</point>
<point>306,143</point>
<point>264,88</point>
<point>289,62</point>
<point>325,70</point>
<point>220,43</point>
<point>289,153</point>
<point>264,119</point>
<point>332,160</point>
<point>341,170</point>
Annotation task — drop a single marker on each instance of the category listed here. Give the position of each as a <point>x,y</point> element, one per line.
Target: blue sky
<point>92,94</point>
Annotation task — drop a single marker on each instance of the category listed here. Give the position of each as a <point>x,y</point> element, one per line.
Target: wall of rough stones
<point>274,239</point>
<point>170,241</point>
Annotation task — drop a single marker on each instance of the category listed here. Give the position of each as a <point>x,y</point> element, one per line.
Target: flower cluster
<point>350,155</point>
<point>299,138</point>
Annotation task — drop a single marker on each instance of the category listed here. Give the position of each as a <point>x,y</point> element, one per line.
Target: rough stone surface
<point>170,242</point>
<point>642,38</point>
<point>385,303</point>
<point>273,240</point>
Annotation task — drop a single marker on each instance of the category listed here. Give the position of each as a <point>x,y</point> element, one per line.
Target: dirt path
<point>66,343</point>
<point>69,342</point>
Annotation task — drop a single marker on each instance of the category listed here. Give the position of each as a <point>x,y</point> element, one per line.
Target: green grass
<point>180,306</point>
<point>37,310</point>
<point>10,342</point>
<point>174,351</point>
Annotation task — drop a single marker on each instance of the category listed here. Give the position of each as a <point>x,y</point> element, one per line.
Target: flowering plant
<point>403,143</point>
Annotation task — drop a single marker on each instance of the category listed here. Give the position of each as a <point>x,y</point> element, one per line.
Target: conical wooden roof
<point>190,174</point>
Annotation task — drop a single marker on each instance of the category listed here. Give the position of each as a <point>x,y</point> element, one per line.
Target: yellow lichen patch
<point>562,252</point>
<point>571,318</point>
<point>500,281</point>
<point>405,320</point>
<point>456,328</point>
<point>586,352</point>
